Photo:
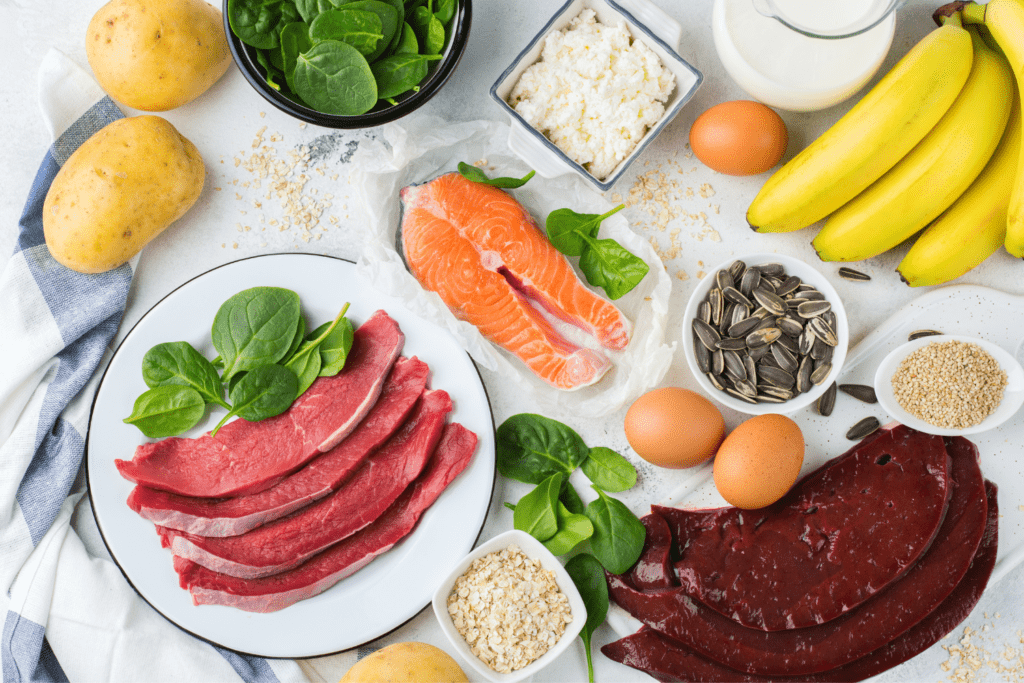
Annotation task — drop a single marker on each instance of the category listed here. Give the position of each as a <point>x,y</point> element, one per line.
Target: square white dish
<point>646,22</point>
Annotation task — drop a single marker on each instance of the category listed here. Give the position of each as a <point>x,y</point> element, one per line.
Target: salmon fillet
<point>483,254</point>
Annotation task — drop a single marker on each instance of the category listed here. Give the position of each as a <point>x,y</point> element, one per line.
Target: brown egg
<point>759,461</point>
<point>739,138</point>
<point>674,427</point>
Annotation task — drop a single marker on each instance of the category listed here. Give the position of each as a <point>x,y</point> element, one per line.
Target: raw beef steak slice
<point>247,457</point>
<point>320,572</point>
<point>234,516</point>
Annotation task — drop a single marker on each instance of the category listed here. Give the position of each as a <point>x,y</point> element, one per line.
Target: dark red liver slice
<point>803,560</point>
<point>875,623</point>
<point>654,568</point>
<point>667,660</point>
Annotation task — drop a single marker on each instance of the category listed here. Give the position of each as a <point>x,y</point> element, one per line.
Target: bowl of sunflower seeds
<point>765,333</point>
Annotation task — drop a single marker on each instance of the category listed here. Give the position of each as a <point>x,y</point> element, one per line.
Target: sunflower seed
<point>788,286</point>
<point>777,377</point>
<point>774,269</point>
<point>718,362</point>
<point>786,360</point>
<point>737,394</point>
<point>704,312</point>
<point>738,313</point>
<point>758,353</point>
<point>854,275</point>
<point>751,368</point>
<point>723,325</point>
<point>746,388</point>
<point>812,295</point>
<point>772,302</point>
<point>768,398</point>
<point>769,360</point>
<point>736,296</point>
<point>827,401</point>
<point>744,327</point>
<point>863,428</point>
<point>823,331</point>
<point>731,344</point>
<point>922,333</point>
<point>819,350</point>
<point>803,375</point>
<point>734,365</point>
<point>831,318</point>
<point>717,304</point>
<point>750,280</point>
<point>760,312</point>
<point>767,284</point>
<point>810,309</point>
<point>716,382</point>
<point>789,327</point>
<point>702,355</point>
<point>794,302</point>
<point>806,341</point>
<point>724,280</point>
<point>763,336</point>
<point>708,335</point>
<point>773,390</point>
<point>861,392</point>
<point>736,270</point>
<point>820,373</point>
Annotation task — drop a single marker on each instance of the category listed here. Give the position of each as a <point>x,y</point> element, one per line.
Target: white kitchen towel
<point>67,614</point>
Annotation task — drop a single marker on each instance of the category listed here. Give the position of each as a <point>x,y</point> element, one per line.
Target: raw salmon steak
<point>484,255</point>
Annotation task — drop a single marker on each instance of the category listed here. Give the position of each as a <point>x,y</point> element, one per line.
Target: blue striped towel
<point>68,614</point>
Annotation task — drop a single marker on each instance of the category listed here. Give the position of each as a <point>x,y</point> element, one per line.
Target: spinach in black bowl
<point>344,58</point>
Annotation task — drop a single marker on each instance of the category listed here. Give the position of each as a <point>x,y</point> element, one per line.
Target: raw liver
<point>797,563</point>
<point>290,541</point>
<point>667,660</point>
<point>272,593</point>
<point>234,516</point>
<point>247,457</point>
<point>654,568</point>
<point>872,625</point>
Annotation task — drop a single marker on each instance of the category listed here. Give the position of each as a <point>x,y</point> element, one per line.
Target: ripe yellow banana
<point>1005,20</point>
<point>869,139</point>
<point>930,178</point>
<point>973,228</point>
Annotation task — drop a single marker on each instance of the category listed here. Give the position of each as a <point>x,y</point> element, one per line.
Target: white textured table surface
<point>225,121</point>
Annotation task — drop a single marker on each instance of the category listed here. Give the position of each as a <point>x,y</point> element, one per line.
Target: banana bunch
<point>935,144</point>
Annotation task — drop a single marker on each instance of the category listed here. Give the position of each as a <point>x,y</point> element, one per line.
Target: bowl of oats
<point>480,608</point>
<point>950,385</point>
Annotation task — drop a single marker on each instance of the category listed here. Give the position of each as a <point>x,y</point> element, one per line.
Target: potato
<point>156,55</point>
<point>118,191</point>
<point>406,663</point>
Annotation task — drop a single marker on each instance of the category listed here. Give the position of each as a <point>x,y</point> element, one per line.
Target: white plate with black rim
<point>379,598</point>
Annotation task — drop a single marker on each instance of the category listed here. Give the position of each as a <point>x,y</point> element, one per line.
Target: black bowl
<point>441,71</point>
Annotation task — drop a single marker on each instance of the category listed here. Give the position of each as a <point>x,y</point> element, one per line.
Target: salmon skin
<point>485,256</point>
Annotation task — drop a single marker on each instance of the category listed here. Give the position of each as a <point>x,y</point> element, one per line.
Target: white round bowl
<point>535,550</point>
<point>1013,394</point>
<point>806,274</point>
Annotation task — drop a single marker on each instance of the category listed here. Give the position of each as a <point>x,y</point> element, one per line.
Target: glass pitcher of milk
<point>803,55</point>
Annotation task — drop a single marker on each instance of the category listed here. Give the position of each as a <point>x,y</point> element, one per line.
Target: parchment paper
<point>406,154</point>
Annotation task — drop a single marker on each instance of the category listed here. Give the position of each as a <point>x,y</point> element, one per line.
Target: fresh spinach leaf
<point>470,172</point>
<point>307,9</point>
<point>334,78</point>
<point>263,392</point>
<point>300,332</point>
<point>608,470</point>
<point>530,448</point>
<point>272,75</point>
<point>429,31</point>
<point>388,16</point>
<point>358,28</point>
<point>567,229</point>
<point>179,364</point>
<point>294,41</point>
<point>400,73</point>
<point>255,327</point>
<point>618,536</point>
<point>444,10</point>
<point>607,264</point>
<point>571,499</point>
<point>167,410</point>
<point>399,7</point>
<point>536,512</point>
<point>335,347</point>
<point>407,43</point>
<point>585,571</point>
<point>306,362</point>
<point>572,530</point>
<point>253,22</point>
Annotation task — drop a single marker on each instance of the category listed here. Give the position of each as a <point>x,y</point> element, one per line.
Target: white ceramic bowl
<point>535,550</point>
<point>646,22</point>
<point>806,274</point>
<point>1013,395</point>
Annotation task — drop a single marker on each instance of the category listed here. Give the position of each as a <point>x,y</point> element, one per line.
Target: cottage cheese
<point>594,93</point>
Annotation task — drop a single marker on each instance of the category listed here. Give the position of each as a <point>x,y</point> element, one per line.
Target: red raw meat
<point>667,660</point>
<point>247,457</point>
<point>234,516</point>
<point>288,542</point>
<point>272,593</point>
<point>789,565</point>
<point>654,568</point>
<point>873,624</point>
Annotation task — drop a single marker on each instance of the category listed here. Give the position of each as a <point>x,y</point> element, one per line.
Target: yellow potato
<point>156,55</point>
<point>406,663</point>
<point>118,191</point>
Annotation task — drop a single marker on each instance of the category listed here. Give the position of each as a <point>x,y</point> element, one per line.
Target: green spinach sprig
<point>470,172</point>
<point>266,360</point>
<point>605,263</point>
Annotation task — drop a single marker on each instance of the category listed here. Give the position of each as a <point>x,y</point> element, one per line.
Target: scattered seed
<point>867,426</point>
<point>861,392</point>
<point>827,401</point>
<point>854,275</point>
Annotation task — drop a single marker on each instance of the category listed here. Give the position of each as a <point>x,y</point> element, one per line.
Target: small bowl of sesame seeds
<point>950,385</point>
<point>509,608</point>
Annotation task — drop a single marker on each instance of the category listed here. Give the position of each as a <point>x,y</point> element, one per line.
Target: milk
<point>786,69</point>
